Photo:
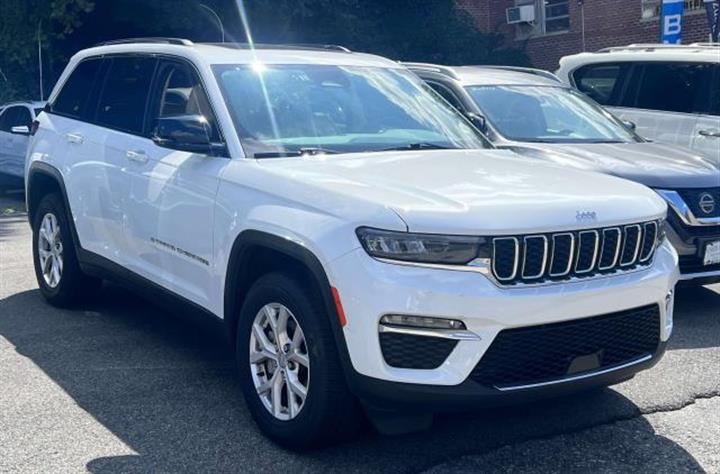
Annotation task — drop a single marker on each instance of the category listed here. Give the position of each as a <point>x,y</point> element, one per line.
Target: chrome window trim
<point>653,247</point>
<point>637,244</point>
<point>617,248</point>
<point>595,252</point>
<point>572,254</point>
<point>544,260</point>
<point>677,203</point>
<point>516,263</point>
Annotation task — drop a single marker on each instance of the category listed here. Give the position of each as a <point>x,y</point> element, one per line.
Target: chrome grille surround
<point>543,258</point>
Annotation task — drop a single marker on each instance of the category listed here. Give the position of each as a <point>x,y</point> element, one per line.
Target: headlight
<point>423,248</point>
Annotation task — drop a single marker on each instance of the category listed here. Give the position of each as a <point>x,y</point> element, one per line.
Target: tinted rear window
<point>673,87</point>
<point>125,93</point>
<point>602,82</point>
<point>17,116</point>
<point>73,98</point>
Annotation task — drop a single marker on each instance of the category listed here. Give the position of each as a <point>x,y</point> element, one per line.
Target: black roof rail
<point>150,40</point>
<point>527,70</point>
<point>444,70</point>
<point>304,46</point>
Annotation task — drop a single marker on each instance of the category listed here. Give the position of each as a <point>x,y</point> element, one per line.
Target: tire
<point>329,413</point>
<point>69,286</point>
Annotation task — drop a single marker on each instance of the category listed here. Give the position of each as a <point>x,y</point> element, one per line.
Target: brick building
<point>558,28</point>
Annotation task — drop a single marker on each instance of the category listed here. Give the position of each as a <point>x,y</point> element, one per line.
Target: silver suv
<point>671,91</point>
<point>533,113</point>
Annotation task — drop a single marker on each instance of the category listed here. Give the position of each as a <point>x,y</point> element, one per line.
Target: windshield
<point>287,110</point>
<point>548,114</point>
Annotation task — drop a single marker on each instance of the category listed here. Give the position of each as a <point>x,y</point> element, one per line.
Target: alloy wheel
<point>279,361</point>
<point>50,250</point>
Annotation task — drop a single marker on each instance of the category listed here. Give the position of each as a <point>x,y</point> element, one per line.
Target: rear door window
<point>6,119</point>
<point>124,95</point>
<point>17,116</point>
<point>73,99</point>
<point>715,91</point>
<point>604,83</point>
<point>672,87</point>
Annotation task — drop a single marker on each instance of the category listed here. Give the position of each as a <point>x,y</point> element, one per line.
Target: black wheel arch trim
<point>249,239</point>
<point>49,171</point>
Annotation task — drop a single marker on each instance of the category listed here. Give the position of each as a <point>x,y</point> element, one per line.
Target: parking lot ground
<point>121,385</point>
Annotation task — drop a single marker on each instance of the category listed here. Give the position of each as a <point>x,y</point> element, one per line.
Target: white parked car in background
<point>671,92</point>
<point>357,237</point>
<point>16,121</point>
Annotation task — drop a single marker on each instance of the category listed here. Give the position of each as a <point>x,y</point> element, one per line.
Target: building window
<point>551,16</point>
<point>651,8</point>
<point>557,16</point>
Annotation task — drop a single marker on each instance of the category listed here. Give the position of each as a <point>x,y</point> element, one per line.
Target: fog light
<point>669,307</point>
<point>421,322</point>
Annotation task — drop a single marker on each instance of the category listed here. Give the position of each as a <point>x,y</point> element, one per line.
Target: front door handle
<point>712,133</point>
<point>74,138</point>
<point>137,156</point>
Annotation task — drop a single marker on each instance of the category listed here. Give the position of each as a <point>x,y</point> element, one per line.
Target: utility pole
<point>217,18</point>
<point>582,23</point>
<point>40,62</point>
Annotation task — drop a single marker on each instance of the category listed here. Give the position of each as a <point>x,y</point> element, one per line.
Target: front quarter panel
<point>250,198</point>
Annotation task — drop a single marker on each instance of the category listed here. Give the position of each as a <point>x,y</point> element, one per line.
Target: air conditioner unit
<point>521,14</point>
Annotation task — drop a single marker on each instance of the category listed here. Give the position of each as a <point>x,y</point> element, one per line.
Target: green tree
<point>21,22</point>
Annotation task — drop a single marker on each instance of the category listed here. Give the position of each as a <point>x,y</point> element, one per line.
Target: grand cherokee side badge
<point>586,216</point>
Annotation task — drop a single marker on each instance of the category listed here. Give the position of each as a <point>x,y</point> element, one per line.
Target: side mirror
<point>477,120</point>
<point>20,130</point>
<point>630,125</point>
<point>185,133</point>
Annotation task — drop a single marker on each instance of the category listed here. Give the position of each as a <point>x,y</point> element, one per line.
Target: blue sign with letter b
<point>671,21</point>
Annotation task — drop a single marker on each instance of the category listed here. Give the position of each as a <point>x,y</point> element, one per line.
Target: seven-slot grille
<point>538,258</point>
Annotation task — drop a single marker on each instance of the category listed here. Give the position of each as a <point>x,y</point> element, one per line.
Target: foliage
<point>417,30</point>
<point>22,23</point>
<point>411,30</point>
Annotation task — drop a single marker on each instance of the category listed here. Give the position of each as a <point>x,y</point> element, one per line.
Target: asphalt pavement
<point>121,385</point>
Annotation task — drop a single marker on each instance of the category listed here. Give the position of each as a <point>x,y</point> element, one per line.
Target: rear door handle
<point>710,133</point>
<point>74,138</point>
<point>137,156</point>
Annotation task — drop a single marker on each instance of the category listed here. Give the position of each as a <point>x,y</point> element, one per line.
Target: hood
<point>652,164</point>
<point>490,192</point>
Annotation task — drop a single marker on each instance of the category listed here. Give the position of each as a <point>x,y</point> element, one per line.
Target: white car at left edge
<point>16,122</point>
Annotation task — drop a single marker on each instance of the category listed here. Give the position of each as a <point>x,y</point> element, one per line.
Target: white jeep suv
<point>361,242</point>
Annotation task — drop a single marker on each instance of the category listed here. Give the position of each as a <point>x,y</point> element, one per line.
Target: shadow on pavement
<point>168,390</point>
<point>697,318</point>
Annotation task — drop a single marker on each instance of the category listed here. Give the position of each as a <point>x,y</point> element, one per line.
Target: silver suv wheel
<point>279,361</point>
<point>50,250</point>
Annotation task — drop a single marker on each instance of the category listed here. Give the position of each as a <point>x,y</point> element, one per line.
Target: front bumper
<point>470,395</point>
<point>689,243</point>
<point>370,289</point>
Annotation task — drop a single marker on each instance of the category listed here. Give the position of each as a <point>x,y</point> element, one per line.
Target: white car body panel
<point>173,219</point>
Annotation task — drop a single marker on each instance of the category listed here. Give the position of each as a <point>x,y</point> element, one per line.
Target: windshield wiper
<point>309,151</point>
<point>420,146</point>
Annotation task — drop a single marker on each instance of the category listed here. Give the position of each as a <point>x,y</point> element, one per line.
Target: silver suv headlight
<point>423,248</point>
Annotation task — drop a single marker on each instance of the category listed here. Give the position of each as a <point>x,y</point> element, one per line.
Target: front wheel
<point>289,366</point>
